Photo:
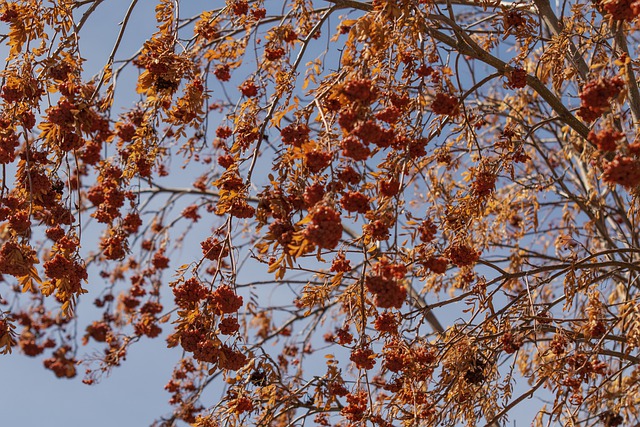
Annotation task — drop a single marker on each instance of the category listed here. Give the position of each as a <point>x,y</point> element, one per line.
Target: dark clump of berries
<point>445,104</point>
<point>475,374</point>
<point>517,78</point>
<point>611,419</point>
<point>596,96</point>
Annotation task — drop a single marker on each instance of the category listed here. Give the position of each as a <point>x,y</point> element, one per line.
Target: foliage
<point>343,212</point>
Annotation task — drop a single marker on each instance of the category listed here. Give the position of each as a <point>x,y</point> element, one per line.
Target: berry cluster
<point>241,404</point>
<point>225,300</point>
<point>9,141</point>
<point>510,342</point>
<point>513,20</point>
<point>99,331</point>
<point>317,160</point>
<point>66,274</point>
<point>349,176</point>
<point>364,358</point>
<point>325,229</point>
<point>370,132</point>
<point>427,231</point>
<point>229,326</point>
<point>340,264</point>
<point>213,249</point>
<point>313,194</point>
<point>356,407</point>
<point>596,96</point>
<point>585,367</point>
<point>354,149</point>
<point>224,132</point>
<point>240,7</point>
<point>107,195</point>
<point>387,322</point>
<point>437,265</point>
<point>385,283</point>
<point>226,161</point>
<point>273,53</point>
<point>389,115</point>
<point>29,345</point>
<point>414,362</point>
<point>377,230</point>
<point>622,170</point>
<point>295,134</point>
<point>206,28</point>
<point>191,212</point>
<point>360,91</point>
<point>231,359</point>
<point>241,209</point>
<point>606,140</point>
<point>517,78</point>
<point>445,104</point>
<point>343,336</point>
<point>20,222</point>
<point>595,328</point>
<point>484,183</point>
<point>147,326</point>
<point>395,356</point>
<point>558,344</point>
<point>249,89</point>
<point>388,187</point>
<point>61,365</point>
<point>164,67</point>
<point>159,260</point>
<point>131,223</point>
<point>193,336</point>
<point>62,114</point>
<point>15,259</point>
<point>354,201</point>
<point>190,293</point>
<point>462,254</point>
<point>114,246</point>
<point>282,231</point>
<point>223,72</point>
<point>621,10</point>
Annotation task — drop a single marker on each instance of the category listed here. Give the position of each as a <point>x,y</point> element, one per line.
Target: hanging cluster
<point>596,97</point>
<point>208,314</point>
<point>385,282</point>
<point>621,10</point>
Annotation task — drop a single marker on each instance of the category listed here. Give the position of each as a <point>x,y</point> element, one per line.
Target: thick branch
<point>467,46</point>
<point>554,25</point>
<point>632,85</point>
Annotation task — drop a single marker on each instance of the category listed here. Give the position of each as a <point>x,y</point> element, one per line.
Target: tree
<point>403,212</point>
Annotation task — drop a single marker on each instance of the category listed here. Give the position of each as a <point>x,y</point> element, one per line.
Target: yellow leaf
<point>26,283</point>
<point>33,273</point>
<point>67,309</point>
